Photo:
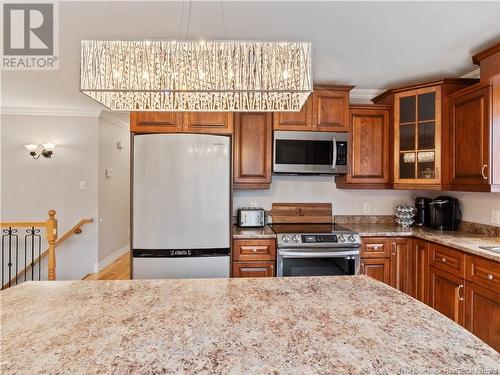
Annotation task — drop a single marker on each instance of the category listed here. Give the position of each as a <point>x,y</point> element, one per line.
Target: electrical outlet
<point>495,217</point>
<point>367,207</point>
<point>83,185</point>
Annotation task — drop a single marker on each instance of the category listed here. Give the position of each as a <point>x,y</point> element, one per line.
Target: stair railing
<point>32,241</point>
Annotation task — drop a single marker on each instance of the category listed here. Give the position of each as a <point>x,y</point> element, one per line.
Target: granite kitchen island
<point>321,325</point>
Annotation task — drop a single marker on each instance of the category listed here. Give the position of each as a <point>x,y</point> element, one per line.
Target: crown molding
<point>35,111</point>
<point>473,74</point>
<point>363,96</point>
<point>109,117</point>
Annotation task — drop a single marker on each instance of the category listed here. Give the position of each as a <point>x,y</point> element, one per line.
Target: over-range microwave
<point>298,152</point>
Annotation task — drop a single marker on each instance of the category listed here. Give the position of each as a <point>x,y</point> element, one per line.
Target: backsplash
<point>313,189</point>
<point>476,207</point>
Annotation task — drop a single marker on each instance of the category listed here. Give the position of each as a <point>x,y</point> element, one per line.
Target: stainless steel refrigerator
<point>181,206</point>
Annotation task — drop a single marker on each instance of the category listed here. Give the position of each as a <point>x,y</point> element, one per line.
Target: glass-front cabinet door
<point>417,136</point>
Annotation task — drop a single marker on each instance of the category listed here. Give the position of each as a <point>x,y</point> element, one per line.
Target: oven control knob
<point>295,238</point>
<point>351,238</point>
<point>341,238</point>
<point>285,238</point>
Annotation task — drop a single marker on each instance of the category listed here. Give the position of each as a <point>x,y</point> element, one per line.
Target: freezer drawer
<point>181,268</point>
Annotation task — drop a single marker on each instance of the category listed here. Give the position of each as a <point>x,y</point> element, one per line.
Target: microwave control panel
<point>341,153</point>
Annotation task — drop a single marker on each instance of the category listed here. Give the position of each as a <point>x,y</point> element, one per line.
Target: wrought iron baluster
<point>39,256</point>
<point>9,233</point>
<point>31,236</point>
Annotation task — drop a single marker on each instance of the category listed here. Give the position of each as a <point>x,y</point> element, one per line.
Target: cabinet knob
<point>375,247</point>
<point>254,250</point>
<point>443,260</point>
<point>490,276</point>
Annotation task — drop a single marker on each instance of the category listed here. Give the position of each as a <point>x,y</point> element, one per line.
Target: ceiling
<point>373,45</point>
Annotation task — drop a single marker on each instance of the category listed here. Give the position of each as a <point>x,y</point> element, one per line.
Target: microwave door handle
<point>334,153</point>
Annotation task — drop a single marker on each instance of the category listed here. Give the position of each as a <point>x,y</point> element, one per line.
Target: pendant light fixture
<point>168,75</point>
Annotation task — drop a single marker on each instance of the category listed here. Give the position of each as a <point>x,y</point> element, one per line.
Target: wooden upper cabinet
<point>419,132</point>
<point>208,122</point>
<point>417,136</point>
<point>469,130</point>
<point>326,109</point>
<point>369,148</point>
<point>474,139</point>
<point>252,150</point>
<point>300,121</point>
<point>331,110</point>
<point>178,122</point>
<point>155,122</point>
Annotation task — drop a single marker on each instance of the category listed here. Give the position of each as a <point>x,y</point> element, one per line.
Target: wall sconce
<point>48,150</point>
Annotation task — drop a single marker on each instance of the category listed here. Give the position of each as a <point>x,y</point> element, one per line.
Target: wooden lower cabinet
<point>379,269</point>
<point>254,258</point>
<point>401,265</point>
<point>253,269</point>
<point>420,255</point>
<point>463,287</point>
<point>482,314</point>
<point>447,295</point>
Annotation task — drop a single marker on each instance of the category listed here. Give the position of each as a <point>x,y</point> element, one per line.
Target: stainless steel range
<point>317,250</point>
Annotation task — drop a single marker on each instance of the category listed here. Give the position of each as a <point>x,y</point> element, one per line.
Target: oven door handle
<point>318,254</point>
<point>334,153</point>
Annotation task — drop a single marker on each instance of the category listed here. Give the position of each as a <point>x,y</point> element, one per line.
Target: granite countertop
<point>461,240</point>
<point>252,233</point>
<point>316,325</point>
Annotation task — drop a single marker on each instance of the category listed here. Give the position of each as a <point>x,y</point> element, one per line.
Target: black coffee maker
<point>444,213</point>
<point>423,217</point>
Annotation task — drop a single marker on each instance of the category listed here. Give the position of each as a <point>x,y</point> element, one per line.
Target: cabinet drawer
<point>375,247</point>
<point>254,250</point>
<point>447,259</point>
<point>253,269</point>
<point>483,272</point>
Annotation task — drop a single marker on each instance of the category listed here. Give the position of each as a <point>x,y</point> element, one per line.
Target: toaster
<point>251,217</point>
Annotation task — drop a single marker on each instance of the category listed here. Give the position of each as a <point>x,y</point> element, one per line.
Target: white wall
<point>114,191</point>
<point>29,188</point>
<point>323,189</point>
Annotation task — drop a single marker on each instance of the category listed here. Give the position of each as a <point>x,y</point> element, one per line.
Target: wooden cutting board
<point>288,213</point>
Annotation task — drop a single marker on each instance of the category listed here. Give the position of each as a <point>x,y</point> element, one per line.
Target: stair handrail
<point>76,229</point>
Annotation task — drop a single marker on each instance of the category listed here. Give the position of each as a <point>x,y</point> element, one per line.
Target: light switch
<point>119,145</point>
<point>109,172</point>
<point>495,216</point>
<point>83,185</point>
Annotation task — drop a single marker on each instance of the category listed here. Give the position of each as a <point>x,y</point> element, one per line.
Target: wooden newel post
<point>51,238</point>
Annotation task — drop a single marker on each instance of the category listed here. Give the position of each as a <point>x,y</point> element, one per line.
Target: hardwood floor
<point>119,270</point>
